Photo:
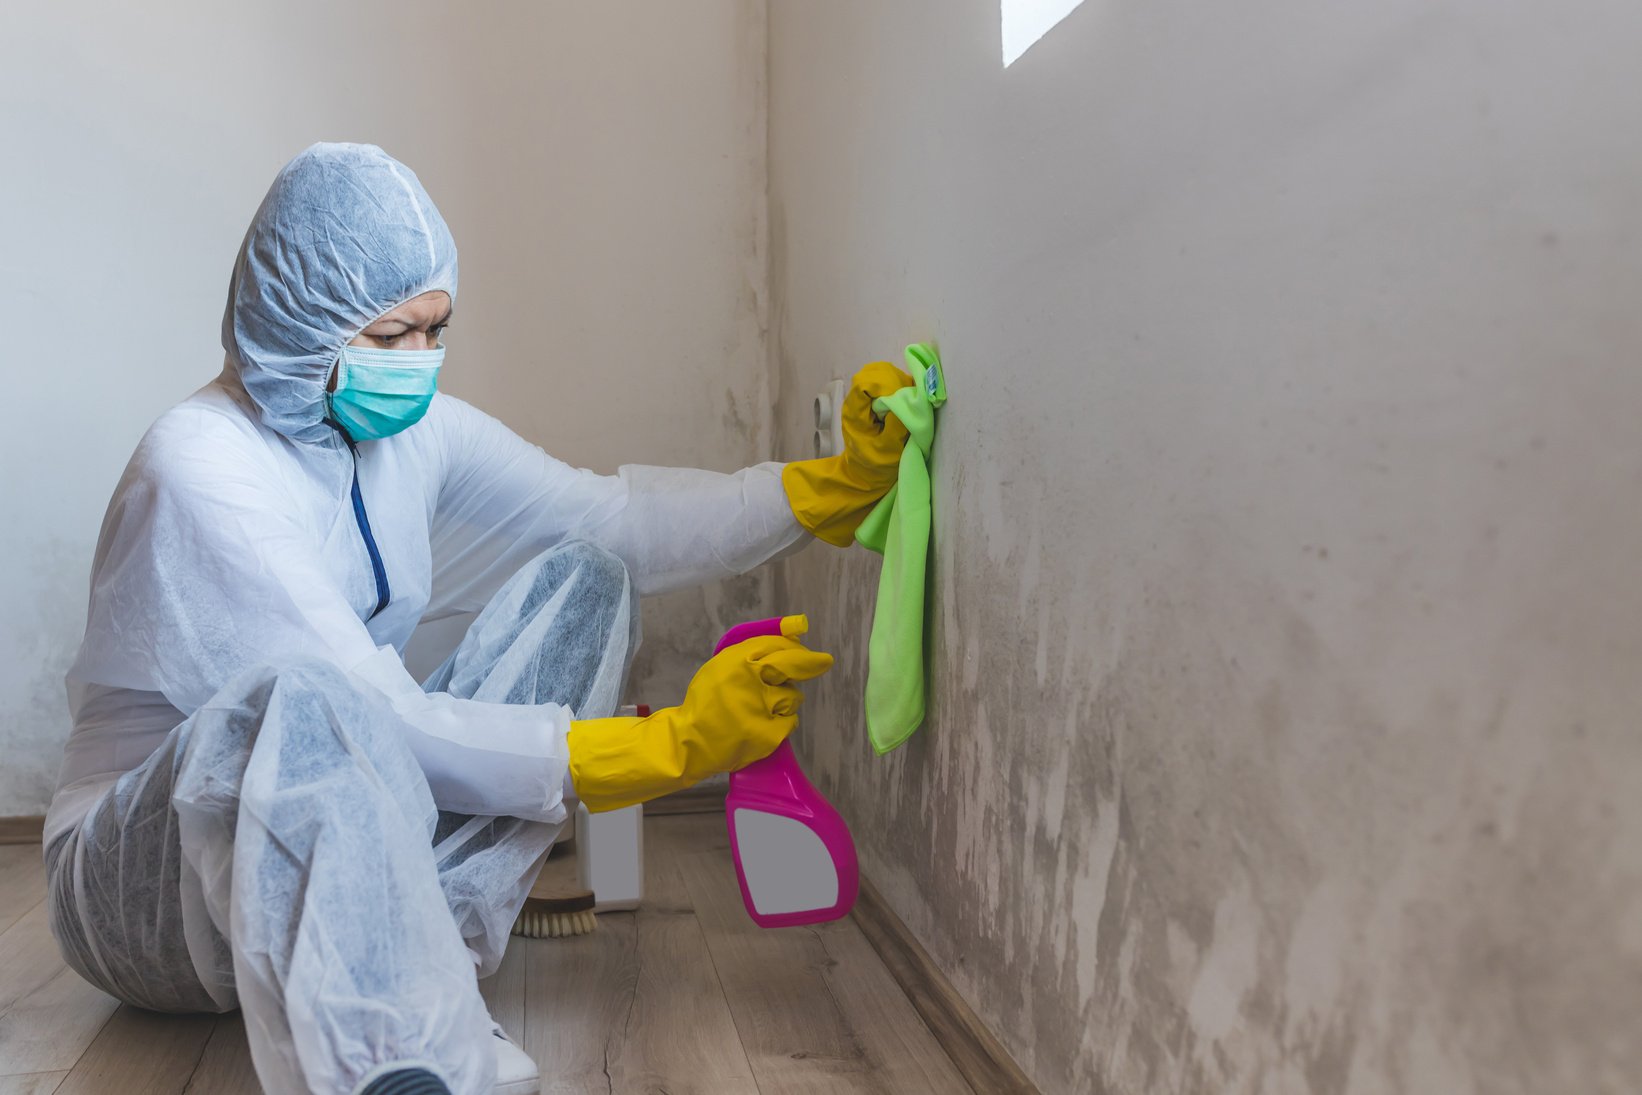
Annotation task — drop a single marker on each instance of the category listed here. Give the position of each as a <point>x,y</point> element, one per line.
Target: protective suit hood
<point>345,234</point>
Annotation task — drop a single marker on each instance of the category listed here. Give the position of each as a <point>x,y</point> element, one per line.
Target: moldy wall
<point>1286,613</point>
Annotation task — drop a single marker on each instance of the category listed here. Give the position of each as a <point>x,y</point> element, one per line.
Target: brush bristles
<point>554,925</point>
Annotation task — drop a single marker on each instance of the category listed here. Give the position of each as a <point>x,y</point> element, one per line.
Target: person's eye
<point>437,332</point>
<point>389,340</point>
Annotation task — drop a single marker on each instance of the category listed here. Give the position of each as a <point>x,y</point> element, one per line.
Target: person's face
<point>414,325</point>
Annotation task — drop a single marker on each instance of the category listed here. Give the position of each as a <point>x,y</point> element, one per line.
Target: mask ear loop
<point>333,385</point>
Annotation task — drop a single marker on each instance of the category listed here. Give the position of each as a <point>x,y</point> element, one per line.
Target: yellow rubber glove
<point>738,708</point>
<point>831,496</point>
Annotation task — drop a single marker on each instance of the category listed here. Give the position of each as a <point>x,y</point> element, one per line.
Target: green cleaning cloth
<point>898,529</point>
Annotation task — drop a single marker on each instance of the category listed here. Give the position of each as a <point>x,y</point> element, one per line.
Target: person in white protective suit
<point>258,806</point>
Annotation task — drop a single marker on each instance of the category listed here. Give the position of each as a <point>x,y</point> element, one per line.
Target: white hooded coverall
<point>258,806</point>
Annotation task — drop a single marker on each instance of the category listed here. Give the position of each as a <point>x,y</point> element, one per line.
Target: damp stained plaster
<point>1284,607</point>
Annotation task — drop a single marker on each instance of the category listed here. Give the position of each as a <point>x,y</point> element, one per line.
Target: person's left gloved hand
<point>738,708</point>
<point>832,495</point>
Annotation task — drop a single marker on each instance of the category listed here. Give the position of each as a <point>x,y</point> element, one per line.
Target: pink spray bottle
<point>794,855</point>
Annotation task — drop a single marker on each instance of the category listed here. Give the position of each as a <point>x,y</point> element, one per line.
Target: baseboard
<point>976,1051</point>
<point>22,830</point>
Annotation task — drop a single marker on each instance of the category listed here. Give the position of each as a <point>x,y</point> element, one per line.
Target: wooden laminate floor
<point>685,995</point>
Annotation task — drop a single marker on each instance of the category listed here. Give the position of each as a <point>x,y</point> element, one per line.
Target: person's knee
<point>593,563</point>
<point>598,574</point>
<point>313,676</point>
<point>549,632</point>
<point>322,712</point>
<point>323,704</point>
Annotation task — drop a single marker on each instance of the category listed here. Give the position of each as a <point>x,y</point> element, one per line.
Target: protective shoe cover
<point>281,851</point>
<point>516,1072</point>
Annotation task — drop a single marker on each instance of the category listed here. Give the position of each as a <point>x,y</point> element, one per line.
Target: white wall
<point>1288,591</point>
<point>600,166</point>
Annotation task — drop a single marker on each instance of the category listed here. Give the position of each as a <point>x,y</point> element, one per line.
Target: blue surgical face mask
<point>380,392</point>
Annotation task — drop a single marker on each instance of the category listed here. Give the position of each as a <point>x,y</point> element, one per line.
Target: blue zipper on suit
<point>362,519</point>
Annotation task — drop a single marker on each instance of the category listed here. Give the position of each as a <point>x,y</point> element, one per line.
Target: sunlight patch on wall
<point>1025,21</point>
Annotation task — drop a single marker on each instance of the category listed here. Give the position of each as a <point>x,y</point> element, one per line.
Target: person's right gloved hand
<point>738,708</point>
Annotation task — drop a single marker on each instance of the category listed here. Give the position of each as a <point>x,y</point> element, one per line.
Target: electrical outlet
<point>829,419</point>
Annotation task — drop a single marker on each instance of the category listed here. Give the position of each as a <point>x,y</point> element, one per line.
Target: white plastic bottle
<point>610,850</point>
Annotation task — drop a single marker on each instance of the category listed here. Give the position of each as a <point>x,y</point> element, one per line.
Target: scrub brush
<point>557,906</point>
<point>556,917</point>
